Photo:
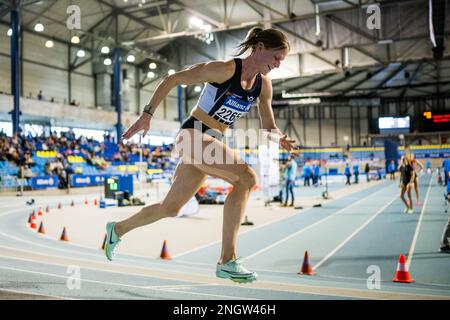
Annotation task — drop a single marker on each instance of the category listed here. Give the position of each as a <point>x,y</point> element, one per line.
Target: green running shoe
<point>112,241</point>
<point>234,271</point>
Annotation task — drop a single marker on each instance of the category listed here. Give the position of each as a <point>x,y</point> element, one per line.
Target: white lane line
<point>145,268</point>
<point>127,257</point>
<point>182,286</point>
<point>11,211</point>
<point>312,225</point>
<point>35,294</point>
<point>249,230</point>
<point>353,234</point>
<point>419,224</point>
<point>121,284</point>
<point>99,269</point>
<point>240,233</point>
<point>53,248</point>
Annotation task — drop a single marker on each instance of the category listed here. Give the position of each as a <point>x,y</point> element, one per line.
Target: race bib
<point>232,109</point>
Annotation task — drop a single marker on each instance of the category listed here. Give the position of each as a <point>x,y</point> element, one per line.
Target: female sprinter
<point>230,89</point>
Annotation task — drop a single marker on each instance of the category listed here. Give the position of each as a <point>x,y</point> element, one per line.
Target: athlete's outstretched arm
<point>215,71</point>
<point>268,120</point>
<point>420,165</point>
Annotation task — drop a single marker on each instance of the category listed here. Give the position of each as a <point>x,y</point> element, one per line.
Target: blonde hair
<point>271,38</point>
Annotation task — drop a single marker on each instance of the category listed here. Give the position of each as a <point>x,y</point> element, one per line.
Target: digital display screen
<point>393,123</point>
<point>432,121</point>
<point>111,187</point>
<point>437,118</point>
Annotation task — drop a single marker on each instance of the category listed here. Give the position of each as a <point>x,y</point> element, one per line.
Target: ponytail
<point>271,38</point>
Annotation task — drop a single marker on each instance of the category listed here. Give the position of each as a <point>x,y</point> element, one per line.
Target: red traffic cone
<point>306,267</point>
<point>40,212</point>
<point>402,274</point>
<point>104,243</point>
<point>64,235</point>
<point>41,228</point>
<point>59,205</point>
<point>33,222</point>
<point>165,252</point>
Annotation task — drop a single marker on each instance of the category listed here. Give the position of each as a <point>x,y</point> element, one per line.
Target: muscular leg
<point>186,181</point>
<point>416,188</point>
<point>243,178</point>
<point>410,196</point>
<point>229,167</point>
<point>402,196</point>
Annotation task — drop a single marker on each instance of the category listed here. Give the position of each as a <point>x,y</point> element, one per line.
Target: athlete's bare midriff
<point>212,123</point>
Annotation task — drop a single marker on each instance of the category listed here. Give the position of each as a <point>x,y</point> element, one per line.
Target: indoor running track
<point>343,237</point>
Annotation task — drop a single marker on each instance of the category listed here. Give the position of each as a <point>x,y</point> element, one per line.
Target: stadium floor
<point>346,235</point>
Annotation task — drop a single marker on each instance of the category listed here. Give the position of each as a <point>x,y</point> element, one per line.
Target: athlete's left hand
<point>287,143</point>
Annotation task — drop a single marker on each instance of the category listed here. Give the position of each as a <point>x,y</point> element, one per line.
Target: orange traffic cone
<point>95,202</point>
<point>64,235</point>
<point>402,274</point>
<point>33,222</point>
<point>29,218</point>
<point>59,205</point>
<point>40,212</point>
<point>164,252</point>
<point>41,228</point>
<point>86,201</point>
<point>104,242</point>
<point>306,267</point>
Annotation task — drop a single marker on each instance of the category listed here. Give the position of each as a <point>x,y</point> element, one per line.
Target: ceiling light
<point>75,39</point>
<point>152,65</point>
<point>197,89</point>
<point>9,33</point>
<point>49,44</point>
<point>131,58</point>
<point>150,74</point>
<point>171,72</point>
<point>105,50</point>
<point>184,85</point>
<point>39,27</point>
<point>107,62</point>
<point>81,53</point>
<point>194,21</point>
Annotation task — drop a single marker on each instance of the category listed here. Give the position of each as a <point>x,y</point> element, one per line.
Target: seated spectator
<point>48,169</point>
<point>25,171</point>
<point>40,96</point>
<point>27,160</point>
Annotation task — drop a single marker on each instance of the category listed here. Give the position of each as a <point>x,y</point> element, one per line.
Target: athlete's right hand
<point>142,123</point>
